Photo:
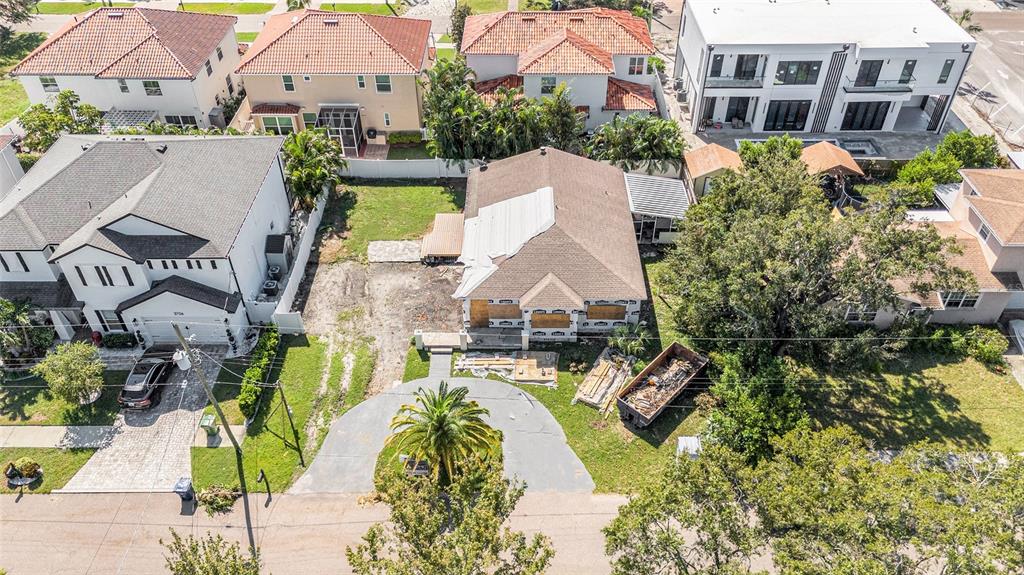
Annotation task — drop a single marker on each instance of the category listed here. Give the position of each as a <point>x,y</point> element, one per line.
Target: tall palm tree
<point>443,429</point>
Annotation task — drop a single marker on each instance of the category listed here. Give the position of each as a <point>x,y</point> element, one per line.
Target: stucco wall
<point>38,269</point>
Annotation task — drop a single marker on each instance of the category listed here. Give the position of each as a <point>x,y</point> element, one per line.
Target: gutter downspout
<point>698,123</point>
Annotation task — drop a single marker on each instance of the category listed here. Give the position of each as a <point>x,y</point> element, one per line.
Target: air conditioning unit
<point>274,272</point>
<point>270,287</point>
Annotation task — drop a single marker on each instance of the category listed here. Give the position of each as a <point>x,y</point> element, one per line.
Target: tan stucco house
<point>354,74</point>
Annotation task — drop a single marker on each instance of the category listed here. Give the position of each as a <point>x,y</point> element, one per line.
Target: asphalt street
<point>994,81</point>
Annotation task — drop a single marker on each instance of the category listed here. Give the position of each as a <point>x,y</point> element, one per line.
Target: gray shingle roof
<point>46,295</point>
<point>178,285</point>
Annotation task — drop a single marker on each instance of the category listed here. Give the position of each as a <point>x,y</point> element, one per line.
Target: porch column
<point>525,339</point>
<point>418,334</point>
<point>463,340</point>
<point>64,329</point>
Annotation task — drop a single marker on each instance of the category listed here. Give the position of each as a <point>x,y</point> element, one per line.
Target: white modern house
<point>139,65</point>
<point>820,66</point>
<point>600,54</point>
<point>128,234</point>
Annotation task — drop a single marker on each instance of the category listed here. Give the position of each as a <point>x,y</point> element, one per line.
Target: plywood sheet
<point>478,316</point>
<point>545,320</point>
<point>606,312</point>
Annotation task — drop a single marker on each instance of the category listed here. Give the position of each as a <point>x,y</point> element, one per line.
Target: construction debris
<point>658,384</point>
<point>518,367</point>
<point>612,370</point>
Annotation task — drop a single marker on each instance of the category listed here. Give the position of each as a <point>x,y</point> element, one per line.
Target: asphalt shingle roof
<point>178,285</point>
<point>1001,201</point>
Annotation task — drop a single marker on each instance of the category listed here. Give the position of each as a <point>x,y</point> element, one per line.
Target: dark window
<point>908,71</point>
<point>737,109</point>
<point>746,66</point>
<point>21,261</point>
<point>213,264</point>
<point>867,75</point>
<point>220,53</point>
<point>716,65</point>
<point>188,264</point>
<point>786,115</point>
<point>106,274</point>
<point>81,276</point>
<point>128,275</point>
<point>99,274</point>
<point>199,264</point>
<point>3,263</point>
<point>164,262</point>
<point>174,264</point>
<point>209,68</point>
<point>946,69</point>
<point>865,115</point>
<point>797,73</point>
<point>111,320</point>
<point>149,264</point>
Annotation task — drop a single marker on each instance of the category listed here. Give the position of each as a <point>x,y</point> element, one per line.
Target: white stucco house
<point>139,65</point>
<point>600,54</point>
<point>820,66</point>
<point>128,234</point>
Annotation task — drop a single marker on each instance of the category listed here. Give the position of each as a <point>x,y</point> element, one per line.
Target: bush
<point>118,340</point>
<point>259,370</point>
<point>988,345</point>
<point>218,498</point>
<point>27,466</point>
<point>404,137</point>
<point>930,168</point>
<point>73,371</point>
<point>28,160</point>
<point>972,151</point>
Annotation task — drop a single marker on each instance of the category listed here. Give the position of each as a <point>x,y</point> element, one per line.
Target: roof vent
<point>115,14</point>
<point>543,150</point>
<point>331,21</point>
<point>161,148</point>
<point>295,19</point>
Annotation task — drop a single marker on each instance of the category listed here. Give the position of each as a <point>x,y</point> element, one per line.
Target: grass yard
<point>29,402</point>
<point>445,38</point>
<point>227,7</point>
<point>446,53</point>
<point>417,364</point>
<point>226,390</point>
<point>959,403</point>
<point>13,99</point>
<point>378,9</point>
<point>415,152</point>
<point>59,465</point>
<point>246,36</point>
<point>664,325</point>
<point>486,6</point>
<point>371,210</point>
<point>73,7</point>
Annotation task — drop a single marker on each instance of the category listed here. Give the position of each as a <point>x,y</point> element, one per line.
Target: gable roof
<point>186,288</point>
<point>514,33</point>
<point>129,43</point>
<point>321,42</point>
<point>590,249</point>
<point>710,159</point>
<point>827,157</point>
<point>1001,201</point>
<point>565,52</point>
<point>629,97</point>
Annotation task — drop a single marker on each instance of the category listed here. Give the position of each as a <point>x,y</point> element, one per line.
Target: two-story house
<point>145,64</point>
<point>129,234</point>
<point>820,66</point>
<point>600,54</point>
<point>353,74</point>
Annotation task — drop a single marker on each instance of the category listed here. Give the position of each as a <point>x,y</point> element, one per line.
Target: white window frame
<point>548,85</point>
<point>288,83</point>
<point>387,120</point>
<point>123,85</point>
<point>49,84</point>
<point>307,79</point>
<point>377,84</point>
<point>984,231</point>
<point>179,120</point>
<point>152,88</point>
<point>361,82</point>
<point>860,314</point>
<point>636,66</point>
<point>959,300</point>
<point>277,124</point>
<point>230,85</point>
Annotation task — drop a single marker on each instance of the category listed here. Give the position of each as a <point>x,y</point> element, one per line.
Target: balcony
<point>879,86</point>
<point>734,82</point>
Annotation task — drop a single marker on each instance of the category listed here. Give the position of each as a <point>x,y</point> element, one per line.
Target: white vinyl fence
<point>289,321</point>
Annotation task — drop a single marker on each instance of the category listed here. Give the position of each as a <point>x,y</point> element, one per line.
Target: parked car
<point>145,383</point>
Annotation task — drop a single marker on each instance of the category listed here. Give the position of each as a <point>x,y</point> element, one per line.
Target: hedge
<point>405,137</point>
<point>260,365</point>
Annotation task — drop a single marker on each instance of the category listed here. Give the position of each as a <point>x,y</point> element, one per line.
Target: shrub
<point>28,160</point>
<point>73,371</point>
<point>404,137</point>
<point>988,345</point>
<point>973,151</point>
<point>218,498</point>
<point>259,369</point>
<point>27,466</point>
<point>118,340</point>
<point>931,167</point>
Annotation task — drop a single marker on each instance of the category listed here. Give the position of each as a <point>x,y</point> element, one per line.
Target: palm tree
<point>443,429</point>
<point>313,163</point>
<point>297,4</point>
<point>630,339</point>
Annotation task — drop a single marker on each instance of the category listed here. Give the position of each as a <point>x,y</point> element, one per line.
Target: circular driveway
<point>534,445</point>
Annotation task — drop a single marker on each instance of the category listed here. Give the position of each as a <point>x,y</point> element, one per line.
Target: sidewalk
<point>65,436</point>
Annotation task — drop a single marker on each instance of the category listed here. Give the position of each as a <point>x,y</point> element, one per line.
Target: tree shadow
<point>18,46</point>
<point>15,400</point>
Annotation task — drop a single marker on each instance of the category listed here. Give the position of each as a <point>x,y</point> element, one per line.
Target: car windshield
<point>134,393</point>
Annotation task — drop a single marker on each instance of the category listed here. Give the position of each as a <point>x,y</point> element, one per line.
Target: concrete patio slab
<point>64,436</point>
<point>393,251</point>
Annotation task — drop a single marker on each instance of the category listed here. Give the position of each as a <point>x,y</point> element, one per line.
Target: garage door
<point>205,329</point>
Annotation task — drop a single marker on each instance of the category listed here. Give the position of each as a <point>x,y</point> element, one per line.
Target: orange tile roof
<point>613,31</point>
<point>710,159</point>
<point>275,109</point>
<point>1001,201</point>
<point>488,89</point>
<point>828,157</point>
<point>129,43</point>
<point>565,52</point>
<point>629,97</point>
<point>320,42</point>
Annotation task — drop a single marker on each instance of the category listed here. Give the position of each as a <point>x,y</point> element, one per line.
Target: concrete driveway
<point>149,450</point>
<point>534,445</point>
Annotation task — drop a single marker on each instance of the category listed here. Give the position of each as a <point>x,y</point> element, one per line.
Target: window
<point>547,85</point>
<point>149,264</point>
<point>209,69</point>
<point>867,75</point>
<point>636,66</point>
<point>360,82</point>
<point>865,115</point>
<point>220,54</point>
<point>746,66</point>
<point>860,314</point>
<point>123,84</point>
<point>309,120</point>
<point>21,261</point>
<point>164,262</point>
<point>786,115</point>
<point>797,73</point>
<point>174,264</point>
<point>957,299</point>
<point>716,65</point>
<point>231,85</point>
<point>188,264</point>
<point>908,71</point>
<point>152,88</point>
<point>199,264</point>
<point>49,84</point>
<point>110,320</point>
<point>3,263</point>
<point>104,275</point>
<point>387,119</point>
<point>383,84</point>
<point>946,69</point>
<point>984,232</point>
<point>280,125</point>
<point>128,275</point>
<point>289,83</point>
<point>307,79</point>
<point>213,264</point>
<point>81,276</point>
<point>182,121</point>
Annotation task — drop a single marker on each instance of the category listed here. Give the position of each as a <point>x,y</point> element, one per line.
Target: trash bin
<point>207,423</point>
<point>183,487</point>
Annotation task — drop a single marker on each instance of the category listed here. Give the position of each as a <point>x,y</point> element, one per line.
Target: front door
<point>737,109</point>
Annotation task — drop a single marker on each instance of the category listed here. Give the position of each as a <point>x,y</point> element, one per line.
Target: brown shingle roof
<point>629,97</point>
<point>711,158</point>
<point>130,43</point>
<point>489,88</point>
<point>565,52</point>
<point>613,31</point>
<point>320,42</point>
<point>827,157</point>
<point>1001,201</point>
<point>591,248</point>
<point>972,260</point>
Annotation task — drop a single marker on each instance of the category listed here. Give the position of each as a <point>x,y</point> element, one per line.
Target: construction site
<point>663,380</point>
<point>537,367</point>
<point>611,372</point>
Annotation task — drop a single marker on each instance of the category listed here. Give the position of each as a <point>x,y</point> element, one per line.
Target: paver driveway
<point>534,445</point>
<point>151,449</point>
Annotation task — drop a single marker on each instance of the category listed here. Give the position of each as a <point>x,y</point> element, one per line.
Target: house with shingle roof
<point>600,54</point>
<point>549,248</point>
<point>139,65</point>
<point>126,234</point>
<point>353,74</point>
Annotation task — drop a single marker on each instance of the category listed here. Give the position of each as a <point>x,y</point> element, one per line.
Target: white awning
<point>657,196</point>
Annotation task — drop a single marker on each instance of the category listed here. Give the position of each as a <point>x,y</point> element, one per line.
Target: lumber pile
<point>611,371</point>
<point>520,367</point>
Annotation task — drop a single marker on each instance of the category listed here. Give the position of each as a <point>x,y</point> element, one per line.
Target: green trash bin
<point>208,423</point>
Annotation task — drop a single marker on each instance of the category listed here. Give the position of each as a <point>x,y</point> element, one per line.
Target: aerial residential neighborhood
<point>512,286</point>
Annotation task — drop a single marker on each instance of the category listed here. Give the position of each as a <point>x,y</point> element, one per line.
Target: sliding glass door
<point>786,115</point>
<point>865,115</point>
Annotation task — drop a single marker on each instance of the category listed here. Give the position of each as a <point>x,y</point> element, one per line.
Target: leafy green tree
<point>561,122</point>
<point>771,150</point>
<point>971,150</point>
<point>15,326</point>
<point>162,129</point>
<point>761,265</point>
<point>297,4</point>
<point>312,165</point>
<point>209,555</point>
<point>438,529</point>
<point>693,520</point>
<point>44,125</point>
<point>444,429</point>
<point>14,12</point>
<point>73,371</point>
<point>640,141</point>
<point>461,11</point>
<point>930,168</point>
<point>513,126</point>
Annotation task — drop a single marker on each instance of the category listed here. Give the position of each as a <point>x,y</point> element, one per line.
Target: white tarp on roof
<point>500,230</point>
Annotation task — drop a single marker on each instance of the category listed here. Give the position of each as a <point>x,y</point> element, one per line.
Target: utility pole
<point>295,432</point>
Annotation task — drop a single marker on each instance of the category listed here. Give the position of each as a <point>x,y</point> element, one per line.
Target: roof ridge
<point>250,55</point>
<point>602,12</point>
<point>152,36</point>
<point>52,38</point>
<point>386,41</point>
<point>486,28</point>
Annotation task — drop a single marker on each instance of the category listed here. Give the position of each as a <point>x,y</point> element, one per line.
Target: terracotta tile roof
<point>130,43</point>
<point>827,157</point>
<point>711,158</point>
<point>565,52</point>
<point>1000,201</point>
<point>488,89</point>
<point>319,42</point>
<point>613,31</point>
<point>629,96</point>
<point>275,109</point>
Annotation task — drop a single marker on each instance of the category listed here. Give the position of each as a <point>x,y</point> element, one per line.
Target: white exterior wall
<point>583,91</point>
<point>490,67</point>
<point>219,278</point>
<point>153,319</point>
<point>38,268</point>
<point>208,88</point>
<point>93,293</point>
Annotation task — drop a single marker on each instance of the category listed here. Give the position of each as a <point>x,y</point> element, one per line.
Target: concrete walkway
<point>64,436</point>
<point>440,363</point>
<point>534,445</point>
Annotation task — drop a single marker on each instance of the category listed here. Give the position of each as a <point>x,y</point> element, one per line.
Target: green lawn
<point>73,7</point>
<point>417,364</point>
<point>959,403</point>
<point>445,38</point>
<point>59,465</point>
<point>226,390</point>
<point>13,99</point>
<point>246,36</point>
<point>485,6</point>
<point>269,444</point>
<point>416,152</point>
<point>29,402</point>
<point>664,325</point>
<point>371,210</point>
<point>227,7</point>
<point>446,53</point>
<point>378,9</point>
